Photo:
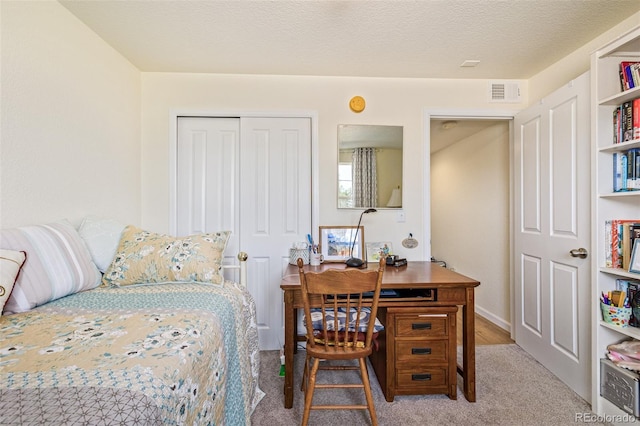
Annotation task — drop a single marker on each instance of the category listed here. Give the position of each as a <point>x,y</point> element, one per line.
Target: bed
<point>155,351</point>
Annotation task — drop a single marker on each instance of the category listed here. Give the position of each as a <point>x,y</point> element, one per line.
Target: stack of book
<point>629,75</point>
<point>626,121</point>
<point>619,237</point>
<point>626,170</point>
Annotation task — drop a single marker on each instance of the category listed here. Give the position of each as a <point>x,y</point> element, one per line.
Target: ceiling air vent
<point>503,91</point>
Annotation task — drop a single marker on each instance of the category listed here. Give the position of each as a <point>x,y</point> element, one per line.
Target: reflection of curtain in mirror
<point>365,189</point>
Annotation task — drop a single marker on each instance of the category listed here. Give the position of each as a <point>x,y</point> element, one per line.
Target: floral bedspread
<point>167,354</point>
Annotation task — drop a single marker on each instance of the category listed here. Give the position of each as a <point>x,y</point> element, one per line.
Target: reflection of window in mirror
<point>345,182</point>
<point>369,166</point>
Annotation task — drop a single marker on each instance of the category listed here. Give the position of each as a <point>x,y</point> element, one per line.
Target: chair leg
<point>305,374</point>
<point>367,390</point>
<point>308,395</point>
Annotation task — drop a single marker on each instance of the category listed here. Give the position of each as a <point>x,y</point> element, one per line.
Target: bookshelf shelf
<point>621,194</point>
<point>621,97</point>
<point>620,273</point>
<point>633,332</point>
<point>623,146</point>
<point>607,96</point>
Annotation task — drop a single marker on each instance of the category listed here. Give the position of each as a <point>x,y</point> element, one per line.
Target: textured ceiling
<point>512,39</point>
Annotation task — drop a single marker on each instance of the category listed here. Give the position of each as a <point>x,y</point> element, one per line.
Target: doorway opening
<point>470,199</point>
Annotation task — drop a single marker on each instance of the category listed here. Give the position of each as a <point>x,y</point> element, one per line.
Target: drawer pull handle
<point>421,326</point>
<point>420,351</point>
<point>421,377</point>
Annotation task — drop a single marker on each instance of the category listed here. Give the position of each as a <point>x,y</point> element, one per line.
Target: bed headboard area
<point>62,260</point>
<point>241,267</point>
<point>108,313</point>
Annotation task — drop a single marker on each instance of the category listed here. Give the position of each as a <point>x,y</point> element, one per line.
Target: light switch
<point>400,216</point>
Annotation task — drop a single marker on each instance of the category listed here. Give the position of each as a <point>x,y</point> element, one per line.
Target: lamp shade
<point>396,198</point>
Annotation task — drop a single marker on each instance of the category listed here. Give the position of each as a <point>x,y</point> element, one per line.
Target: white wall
<point>470,215</point>
<point>84,132</point>
<point>70,125</point>
<point>575,64</point>
<point>389,101</point>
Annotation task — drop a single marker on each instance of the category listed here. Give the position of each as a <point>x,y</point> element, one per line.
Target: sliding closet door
<point>208,178</point>
<point>251,176</point>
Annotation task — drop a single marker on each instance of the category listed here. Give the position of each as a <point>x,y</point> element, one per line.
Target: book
<point>636,117</point>
<point>617,245</point>
<point>637,174</point>
<point>616,125</point>
<point>626,78</point>
<point>616,248</point>
<point>635,73</point>
<point>627,121</point>
<point>620,171</point>
<point>633,180</point>
<point>630,231</point>
<point>608,262</point>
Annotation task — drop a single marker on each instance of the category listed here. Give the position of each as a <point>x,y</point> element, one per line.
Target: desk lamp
<point>354,262</point>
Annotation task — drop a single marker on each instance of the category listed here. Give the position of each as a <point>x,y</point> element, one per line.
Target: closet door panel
<point>207,183</point>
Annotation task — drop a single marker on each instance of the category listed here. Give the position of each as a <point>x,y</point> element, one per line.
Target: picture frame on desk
<point>377,250</point>
<point>336,242</point>
<point>634,263</point>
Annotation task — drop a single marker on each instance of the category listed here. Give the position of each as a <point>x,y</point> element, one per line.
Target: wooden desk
<point>451,289</point>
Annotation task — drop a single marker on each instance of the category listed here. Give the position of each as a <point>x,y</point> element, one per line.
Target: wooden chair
<point>323,294</point>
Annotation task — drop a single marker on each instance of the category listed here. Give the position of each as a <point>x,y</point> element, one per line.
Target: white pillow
<point>10,263</point>
<point>102,237</point>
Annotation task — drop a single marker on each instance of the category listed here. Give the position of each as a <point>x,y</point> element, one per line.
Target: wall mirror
<point>369,166</point>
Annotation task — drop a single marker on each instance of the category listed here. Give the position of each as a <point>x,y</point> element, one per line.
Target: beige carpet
<point>512,389</point>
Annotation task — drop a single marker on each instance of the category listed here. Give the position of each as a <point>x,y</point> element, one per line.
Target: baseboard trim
<point>505,325</point>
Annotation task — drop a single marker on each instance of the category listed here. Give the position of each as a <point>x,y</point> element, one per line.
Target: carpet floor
<point>512,389</point>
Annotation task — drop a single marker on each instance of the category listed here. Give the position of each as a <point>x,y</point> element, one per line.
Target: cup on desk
<point>315,259</point>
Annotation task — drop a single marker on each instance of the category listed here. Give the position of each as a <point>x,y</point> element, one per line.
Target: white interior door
<point>251,176</point>
<point>552,217</point>
<point>275,210</point>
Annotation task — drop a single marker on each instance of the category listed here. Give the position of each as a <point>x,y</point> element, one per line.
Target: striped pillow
<point>58,264</point>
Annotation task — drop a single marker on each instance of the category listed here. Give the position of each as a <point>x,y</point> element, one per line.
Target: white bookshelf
<point>605,97</point>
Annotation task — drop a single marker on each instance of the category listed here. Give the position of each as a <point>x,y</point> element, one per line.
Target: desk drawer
<point>421,325</point>
<point>421,380</point>
<point>418,352</point>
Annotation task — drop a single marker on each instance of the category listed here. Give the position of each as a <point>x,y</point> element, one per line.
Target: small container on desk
<point>295,253</point>
<point>619,316</point>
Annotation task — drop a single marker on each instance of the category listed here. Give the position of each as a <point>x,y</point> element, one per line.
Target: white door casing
<point>252,176</point>
<point>552,217</point>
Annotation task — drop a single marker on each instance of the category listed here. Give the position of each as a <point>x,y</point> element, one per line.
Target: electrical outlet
<point>400,216</point>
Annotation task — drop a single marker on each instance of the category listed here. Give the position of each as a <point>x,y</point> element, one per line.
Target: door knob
<point>581,253</point>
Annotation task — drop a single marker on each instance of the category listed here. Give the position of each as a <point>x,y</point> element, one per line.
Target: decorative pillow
<point>102,237</point>
<point>147,257</point>
<point>10,263</point>
<point>58,264</point>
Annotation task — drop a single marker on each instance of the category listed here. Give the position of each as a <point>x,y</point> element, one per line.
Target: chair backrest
<point>334,298</point>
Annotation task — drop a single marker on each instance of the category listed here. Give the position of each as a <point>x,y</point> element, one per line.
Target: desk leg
<point>289,345</point>
<point>469,347</point>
